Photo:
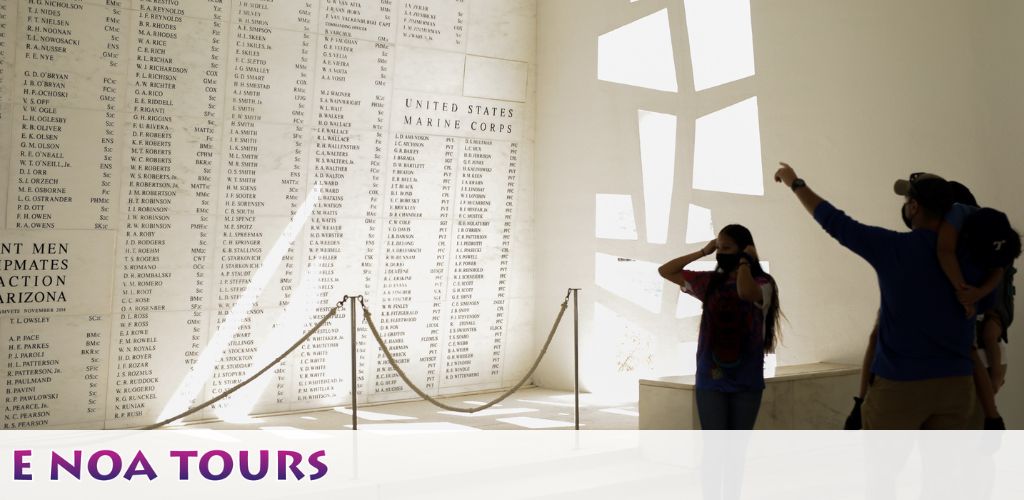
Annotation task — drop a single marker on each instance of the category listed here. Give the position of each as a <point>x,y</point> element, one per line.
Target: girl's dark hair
<point>962,194</point>
<point>743,239</point>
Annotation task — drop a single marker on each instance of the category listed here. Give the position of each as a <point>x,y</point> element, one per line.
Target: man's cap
<point>931,191</point>
<point>989,238</point>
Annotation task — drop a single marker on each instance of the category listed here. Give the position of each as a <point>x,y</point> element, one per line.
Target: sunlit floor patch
<point>415,428</point>
<point>369,415</point>
<point>208,434</point>
<point>234,418</point>
<point>489,412</point>
<point>537,423</point>
<point>629,412</point>
<point>293,432</point>
<point>592,400</point>
<point>550,403</point>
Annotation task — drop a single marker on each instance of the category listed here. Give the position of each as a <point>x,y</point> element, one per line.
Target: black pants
<point>728,410</point>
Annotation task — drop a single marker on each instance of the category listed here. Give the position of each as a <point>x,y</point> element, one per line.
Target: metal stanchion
<point>355,404</point>
<point>576,349</point>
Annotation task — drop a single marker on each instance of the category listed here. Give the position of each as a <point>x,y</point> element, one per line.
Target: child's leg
<point>991,330</point>
<point>983,385</point>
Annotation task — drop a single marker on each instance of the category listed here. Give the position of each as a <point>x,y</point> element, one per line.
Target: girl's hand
<point>710,248</point>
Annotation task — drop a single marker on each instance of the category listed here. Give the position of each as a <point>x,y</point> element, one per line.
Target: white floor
<point>532,408</point>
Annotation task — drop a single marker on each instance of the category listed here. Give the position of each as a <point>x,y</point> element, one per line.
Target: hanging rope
<point>256,375</point>
<point>435,402</point>
<point>387,353</point>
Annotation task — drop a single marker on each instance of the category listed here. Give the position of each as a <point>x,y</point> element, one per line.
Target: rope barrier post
<point>352,313</point>
<point>576,349</point>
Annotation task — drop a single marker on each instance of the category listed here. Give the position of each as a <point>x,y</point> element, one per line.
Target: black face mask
<point>728,262</point>
<point>906,220</point>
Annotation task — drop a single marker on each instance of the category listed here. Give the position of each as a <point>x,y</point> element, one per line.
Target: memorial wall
<point>189,185</point>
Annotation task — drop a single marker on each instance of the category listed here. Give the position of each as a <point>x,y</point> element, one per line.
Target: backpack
<point>1003,306</point>
<point>1005,292</point>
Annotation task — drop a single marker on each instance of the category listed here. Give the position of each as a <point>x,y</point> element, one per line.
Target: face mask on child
<point>728,262</point>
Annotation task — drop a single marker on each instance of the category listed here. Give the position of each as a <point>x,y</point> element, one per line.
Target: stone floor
<point>532,408</point>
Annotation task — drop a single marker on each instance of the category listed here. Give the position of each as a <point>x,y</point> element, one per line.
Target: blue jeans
<point>728,410</point>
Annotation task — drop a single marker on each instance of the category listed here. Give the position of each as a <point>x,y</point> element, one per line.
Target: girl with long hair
<point>738,326</point>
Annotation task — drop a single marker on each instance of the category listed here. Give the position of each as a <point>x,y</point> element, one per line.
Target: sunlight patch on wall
<point>619,353</point>
<point>727,151</point>
<point>687,356</point>
<point>771,362</point>
<point>657,160</point>
<point>191,386</point>
<point>721,41</point>
<point>639,54</point>
<point>286,330</point>
<point>633,280</point>
<point>686,305</point>
<point>614,218</point>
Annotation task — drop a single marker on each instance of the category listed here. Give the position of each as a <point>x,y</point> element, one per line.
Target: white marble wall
<point>221,174</point>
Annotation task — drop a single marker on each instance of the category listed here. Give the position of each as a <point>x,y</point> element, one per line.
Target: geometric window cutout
<point>639,54</point>
<point>727,151</point>
<point>721,42</point>
<point>615,219</point>
<point>657,160</point>
<point>635,281</point>
<point>699,227</point>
